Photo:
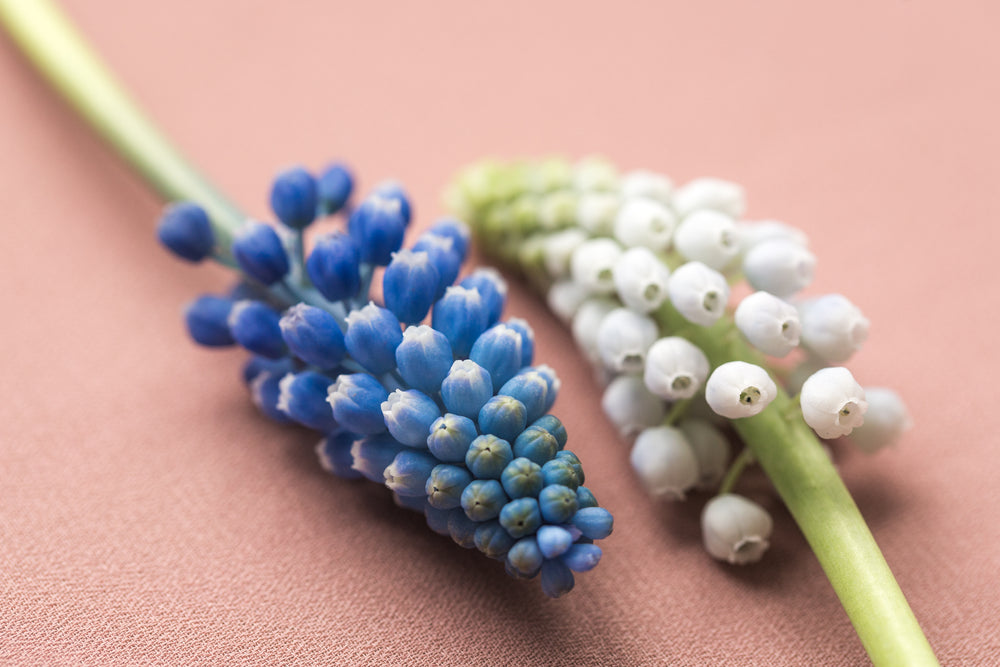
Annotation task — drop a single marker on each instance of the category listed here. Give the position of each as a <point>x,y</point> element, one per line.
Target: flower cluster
<point>451,416</point>
<point>642,272</point>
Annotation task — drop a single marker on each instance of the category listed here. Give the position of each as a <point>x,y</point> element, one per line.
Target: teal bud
<point>409,473</point>
<point>525,558</point>
<point>450,437</point>
<point>503,416</point>
<point>493,540</point>
<point>487,457</point>
<point>594,522</point>
<point>462,529</point>
<point>445,485</point>
<point>585,498</point>
<point>521,517</point>
<point>558,471</point>
<point>552,424</point>
<point>522,477</point>
<point>558,504</point>
<point>582,557</point>
<point>572,459</point>
<point>530,389</point>
<point>535,444</point>
<point>557,580</point>
<point>554,541</point>
<point>437,520</point>
<point>483,499</point>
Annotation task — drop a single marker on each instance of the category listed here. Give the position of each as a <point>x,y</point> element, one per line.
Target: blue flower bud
<point>483,499</point>
<point>522,477</point>
<point>527,339</point>
<point>257,365</point>
<point>333,265</point>
<point>550,377</point>
<point>424,358</point>
<point>408,473</point>
<point>585,498</point>
<point>492,288</point>
<point>466,389</point>
<point>260,253</point>
<point>377,226</point>
<point>498,350</point>
<point>294,197</point>
<point>594,522</point>
<point>450,437</point>
<point>394,190</point>
<point>504,417</point>
<point>303,398</point>
<point>525,558</point>
<point>521,517</point>
<point>558,504</point>
<point>445,485</point>
<point>572,459</point>
<point>264,391</point>
<point>313,335</point>
<point>559,471</point>
<point>461,316</point>
<point>254,325</point>
<point>531,390</point>
<point>409,415</point>
<point>373,454</point>
<point>443,256</point>
<point>409,285</point>
<point>552,424</point>
<point>554,541</point>
<point>373,334</point>
<point>186,231</point>
<point>357,403</point>
<point>207,320</point>
<point>557,580</point>
<point>488,455</point>
<point>462,529</point>
<point>582,557</point>
<point>437,520</point>
<point>535,444</point>
<point>252,290</point>
<point>493,540</point>
<point>412,503</point>
<point>334,187</point>
<point>457,231</point>
<point>334,452</point>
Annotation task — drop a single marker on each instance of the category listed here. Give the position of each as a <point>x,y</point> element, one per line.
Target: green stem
<point>736,469</point>
<point>51,42</point>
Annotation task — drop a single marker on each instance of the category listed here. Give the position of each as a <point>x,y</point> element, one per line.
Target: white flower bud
<point>664,462</point>
<point>710,448</point>
<point>833,328</point>
<point>738,389</point>
<point>770,324</point>
<point>592,264</point>
<point>564,297</point>
<point>885,421</point>
<point>833,403</point>
<point>711,193</point>
<point>708,237</point>
<point>595,173</point>
<point>675,368</point>
<point>779,266</point>
<point>623,338</point>
<point>586,323</point>
<point>630,406</point>
<point>558,248</point>
<point>647,184</point>
<point>596,211</point>
<point>754,233</point>
<point>735,529</point>
<point>641,279</point>
<point>699,293</point>
<point>644,222</point>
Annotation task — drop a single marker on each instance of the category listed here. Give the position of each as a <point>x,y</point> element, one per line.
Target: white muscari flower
<point>587,321</point>
<point>833,403</point>
<point>754,233</point>
<point>596,211</point>
<point>735,529</point>
<point>710,448</point>
<point>641,279</point>
<point>630,406</point>
<point>885,421</point>
<point>557,248</point>
<point>675,368</point>
<point>594,173</point>
<point>623,338</point>
<point>593,262</point>
<point>737,389</point>
<point>833,328</point>
<point>647,184</point>
<point>644,222</point>
<point>770,324</point>
<point>564,297</point>
<point>663,460</point>
<point>699,293</point>
<point>708,237</point>
<point>779,266</point>
<point>711,193</point>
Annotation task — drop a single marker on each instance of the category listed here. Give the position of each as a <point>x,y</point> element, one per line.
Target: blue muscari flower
<point>377,225</point>
<point>258,364</point>
<point>394,190</point>
<point>207,319</point>
<point>527,339</point>
<point>445,485</point>
<point>503,416</point>
<point>552,424</point>
<point>303,398</point>
<point>521,517</point>
<point>424,358</point>
<point>437,520</point>
<point>450,436</point>
<point>260,253</point>
<point>333,266</point>
<point>550,377</point>
<point>585,498</point>
<point>594,522</point>
<point>408,473</point>
<point>357,403</point>
<point>498,350</point>
<point>409,415</point>
<point>522,477</point>
<point>186,231</point>
<point>525,558</point>
<point>334,452</point>
<point>560,471</point>
<point>582,557</point>
<point>409,285</point>
<point>373,454</point>
<point>265,390</point>
<point>461,316</point>
<point>493,289</point>
<point>443,256</point>
<point>334,187</point>
<point>488,455</point>
<point>558,503</point>
<point>483,499</point>
<point>466,389</point>
<point>313,335</point>
<point>536,444</point>
<point>295,197</point>
<point>531,390</point>
<point>557,580</point>
<point>254,325</point>
<point>457,231</point>
<point>554,541</point>
<point>493,540</point>
<point>462,529</point>
<point>574,461</point>
<point>373,334</point>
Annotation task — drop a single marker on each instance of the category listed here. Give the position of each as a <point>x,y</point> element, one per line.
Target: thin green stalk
<point>736,469</point>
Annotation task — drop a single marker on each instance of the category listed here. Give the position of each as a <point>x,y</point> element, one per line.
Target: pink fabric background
<point>149,515</point>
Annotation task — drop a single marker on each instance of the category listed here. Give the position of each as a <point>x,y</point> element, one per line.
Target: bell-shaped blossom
<point>295,197</point>
<point>333,266</point>
<point>186,231</point>
<point>260,253</point>
<point>461,315</point>
<point>833,403</point>
<point>562,472</point>
<point>536,444</point>
<point>558,503</point>
<point>737,389</point>
<point>522,327</point>
<point>378,225</point>
<point>394,190</point>
<point>498,350</point>
<point>531,390</point>
<point>457,231</point>
<point>769,323</point>
<point>334,186</point>
<point>503,416</point>
<point>487,456</point>
<point>735,529</point>
<point>466,388</point>
<point>334,453</point>
<point>664,462</point>
<point>587,322</point>
<point>641,279</point>
<point>647,185</point>
<point>554,541</point>
<point>521,516</point>
<point>207,320</point>
<point>596,211</point>
<point>780,266</point>
<point>255,326</point>
<point>752,234</point>
<point>558,248</point>
<point>565,297</point>
<point>373,334</point>
<point>708,237</point>
<point>630,406</point>
<point>582,557</point>
<point>357,402</point>
<point>483,499</point>
<point>424,358</point>
<point>709,193</point>
<point>444,256</point>
<point>409,473</point>
<point>522,477</point>
<point>595,523</point>
<point>833,328</point>
<point>445,485</point>
<point>675,368</point>
<point>450,436</point>
<point>408,416</point>
<point>409,285</point>
<point>711,449</point>
<point>592,265</point>
<point>265,390</point>
<point>885,420</point>
<point>644,222</point>
<point>623,338</point>
<point>699,293</point>
<point>302,396</point>
<point>524,559</point>
<point>491,287</point>
<point>313,335</point>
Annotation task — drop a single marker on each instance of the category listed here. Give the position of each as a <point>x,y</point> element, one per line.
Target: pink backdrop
<point>148,515</point>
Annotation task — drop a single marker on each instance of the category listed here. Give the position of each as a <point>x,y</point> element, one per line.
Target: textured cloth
<point>148,514</point>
